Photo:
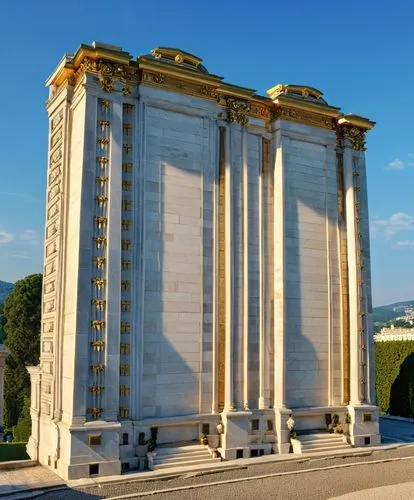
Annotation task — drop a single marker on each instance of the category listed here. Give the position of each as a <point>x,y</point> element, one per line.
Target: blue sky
<point>358,53</point>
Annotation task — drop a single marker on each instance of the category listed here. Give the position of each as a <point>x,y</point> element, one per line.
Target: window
<point>95,439</point>
<point>125,438</point>
<point>206,428</point>
<point>93,469</point>
<point>239,453</point>
<point>255,424</point>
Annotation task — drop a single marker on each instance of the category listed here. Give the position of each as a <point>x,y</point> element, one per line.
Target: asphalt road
<point>306,479</point>
<point>396,431</point>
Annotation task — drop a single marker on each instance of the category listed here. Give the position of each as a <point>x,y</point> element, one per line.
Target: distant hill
<point>382,314</point>
<point>5,289</point>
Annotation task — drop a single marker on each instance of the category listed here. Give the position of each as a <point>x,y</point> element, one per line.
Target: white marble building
<point>206,260</point>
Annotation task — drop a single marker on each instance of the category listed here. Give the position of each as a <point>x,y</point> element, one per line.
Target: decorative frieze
<point>99,291</point>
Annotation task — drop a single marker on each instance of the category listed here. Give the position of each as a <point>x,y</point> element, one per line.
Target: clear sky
<point>359,53</point>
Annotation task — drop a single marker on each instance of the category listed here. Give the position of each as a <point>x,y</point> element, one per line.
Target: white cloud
<point>5,237</point>
<point>28,235</point>
<point>396,164</point>
<point>404,244</point>
<point>389,227</point>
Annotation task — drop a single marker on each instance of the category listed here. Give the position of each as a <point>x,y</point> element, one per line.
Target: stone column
<point>264,309</point>
<point>245,204</point>
<point>351,230</point>
<point>279,275</point>
<point>3,355</point>
<point>279,311</point>
<point>229,275</point>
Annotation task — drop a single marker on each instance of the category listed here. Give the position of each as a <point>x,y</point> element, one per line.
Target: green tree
<point>22,312</point>
<point>2,323</point>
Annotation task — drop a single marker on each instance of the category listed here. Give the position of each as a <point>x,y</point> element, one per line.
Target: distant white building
<point>390,334</point>
<point>206,265</point>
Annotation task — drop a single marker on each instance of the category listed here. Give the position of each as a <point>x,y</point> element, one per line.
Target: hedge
<point>13,451</point>
<point>394,378</point>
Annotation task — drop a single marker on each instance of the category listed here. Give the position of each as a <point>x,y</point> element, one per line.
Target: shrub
<point>394,378</point>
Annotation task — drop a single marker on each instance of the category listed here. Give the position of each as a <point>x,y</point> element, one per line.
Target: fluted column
<point>279,275</point>
<point>352,245</point>
<point>264,312</point>
<point>228,277</point>
<point>245,204</point>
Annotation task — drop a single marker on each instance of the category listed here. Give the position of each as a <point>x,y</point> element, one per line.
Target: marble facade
<point>206,261</point>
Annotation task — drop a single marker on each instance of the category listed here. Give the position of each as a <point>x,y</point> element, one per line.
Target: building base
<point>364,425</point>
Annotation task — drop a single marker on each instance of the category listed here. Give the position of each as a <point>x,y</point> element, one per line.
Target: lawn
<point>13,451</point>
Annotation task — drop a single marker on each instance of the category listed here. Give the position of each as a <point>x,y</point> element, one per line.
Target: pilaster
<point>354,295</point>
<point>229,278</point>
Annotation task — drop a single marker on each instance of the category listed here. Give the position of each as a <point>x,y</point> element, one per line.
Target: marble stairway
<point>319,442</point>
<point>181,455</point>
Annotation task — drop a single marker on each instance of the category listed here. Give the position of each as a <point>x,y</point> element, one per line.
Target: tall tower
<point>206,261</point>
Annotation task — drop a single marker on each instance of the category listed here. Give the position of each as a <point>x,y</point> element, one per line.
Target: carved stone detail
<point>237,110</point>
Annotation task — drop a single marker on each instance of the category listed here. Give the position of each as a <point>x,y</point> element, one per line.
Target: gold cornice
<point>322,109</point>
<point>180,56</point>
<point>149,64</point>
<point>115,56</point>
<point>356,121</point>
<point>306,117</point>
<point>111,64</point>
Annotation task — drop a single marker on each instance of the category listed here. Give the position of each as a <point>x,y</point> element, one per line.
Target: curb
<point>17,464</point>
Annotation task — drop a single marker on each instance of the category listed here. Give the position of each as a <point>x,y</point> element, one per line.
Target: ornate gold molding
<point>108,73</point>
<point>305,117</point>
<point>355,135</point>
<point>237,110</point>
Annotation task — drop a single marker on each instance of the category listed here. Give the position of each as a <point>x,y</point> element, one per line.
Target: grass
<point>13,451</point>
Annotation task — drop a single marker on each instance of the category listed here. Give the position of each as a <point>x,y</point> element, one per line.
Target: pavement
<point>401,491</point>
<point>30,481</point>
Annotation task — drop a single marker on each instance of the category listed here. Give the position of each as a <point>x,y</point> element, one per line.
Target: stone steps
<point>319,442</point>
<point>184,455</point>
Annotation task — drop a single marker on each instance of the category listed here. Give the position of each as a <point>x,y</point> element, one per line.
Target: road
<point>396,431</point>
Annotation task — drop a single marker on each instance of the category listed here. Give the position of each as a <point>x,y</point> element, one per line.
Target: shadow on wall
<point>402,390</point>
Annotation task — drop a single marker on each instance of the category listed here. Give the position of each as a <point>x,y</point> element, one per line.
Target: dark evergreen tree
<point>2,323</point>
<point>22,313</point>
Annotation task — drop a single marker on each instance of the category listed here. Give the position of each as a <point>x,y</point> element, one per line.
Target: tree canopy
<point>22,314</point>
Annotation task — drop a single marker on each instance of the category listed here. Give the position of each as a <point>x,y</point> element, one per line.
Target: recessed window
<point>124,466</point>
<point>261,452</point>
<point>255,424</point>
<point>95,439</point>
<point>367,440</point>
<point>125,438</point>
<point>206,428</point>
<point>93,469</point>
<point>367,417</point>
<point>270,425</point>
<point>254,453</point>
<point>239,453</point>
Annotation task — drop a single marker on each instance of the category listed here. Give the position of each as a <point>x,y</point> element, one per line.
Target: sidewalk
<point>28,479</point>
